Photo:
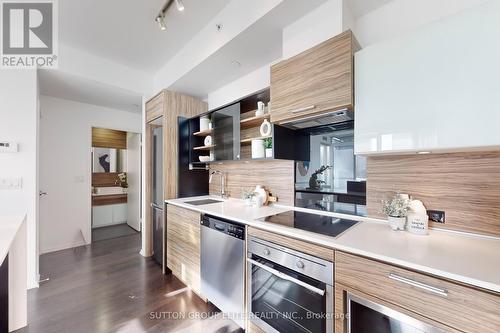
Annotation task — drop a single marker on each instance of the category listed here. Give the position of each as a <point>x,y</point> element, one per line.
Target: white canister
<point>204,121</point>
<point>258,149</point>
<point>260,109</point>
<point>208,141</point>
<point>266,129</point>
<point>417,219</point>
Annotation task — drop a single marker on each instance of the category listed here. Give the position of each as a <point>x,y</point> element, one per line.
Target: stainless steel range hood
<point>329,118</point>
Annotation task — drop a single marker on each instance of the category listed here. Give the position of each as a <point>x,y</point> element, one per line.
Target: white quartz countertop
<point>9,226</point>
<point>473,260</point>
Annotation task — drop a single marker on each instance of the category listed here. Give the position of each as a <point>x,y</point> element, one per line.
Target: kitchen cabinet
<point>316,81</point>
<point>183,245</point>
<point>441,302</point>
<point>431,90</point>
<point>226,134</point>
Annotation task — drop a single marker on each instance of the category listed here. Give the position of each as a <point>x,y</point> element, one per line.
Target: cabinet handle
<point>417,284</point>
<point>307,108</point>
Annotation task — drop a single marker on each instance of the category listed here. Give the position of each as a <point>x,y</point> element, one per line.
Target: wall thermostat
<point>8,147</point>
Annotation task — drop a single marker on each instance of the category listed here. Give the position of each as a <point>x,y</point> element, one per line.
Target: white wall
<point>19,123</point>
<point>65,170</point>
<point>400,17</point>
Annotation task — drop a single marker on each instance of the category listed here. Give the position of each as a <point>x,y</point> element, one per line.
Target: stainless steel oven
<point>288,291</point>
<point>366,316</point>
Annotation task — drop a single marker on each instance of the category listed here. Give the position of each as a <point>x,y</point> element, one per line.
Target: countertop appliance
<point>320,224</point>
<point>223,266</point>
<point>288,291</point>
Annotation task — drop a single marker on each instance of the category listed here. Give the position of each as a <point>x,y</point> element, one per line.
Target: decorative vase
<point>397,223</point>
<point>266,129</point>
<point>248,201</point>
<point>269,152</point>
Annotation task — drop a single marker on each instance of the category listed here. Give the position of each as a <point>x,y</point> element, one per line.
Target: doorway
<point>116,183</point>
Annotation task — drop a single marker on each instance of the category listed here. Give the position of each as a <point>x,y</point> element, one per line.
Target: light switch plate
<point>11,183</point>
<point>8,147</point>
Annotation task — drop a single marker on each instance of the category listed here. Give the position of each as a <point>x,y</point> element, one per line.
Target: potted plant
<point>396,209</point>
<point>268,145</point>
<point>248,196</point>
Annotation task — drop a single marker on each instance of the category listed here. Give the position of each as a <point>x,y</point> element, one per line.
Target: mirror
<point>109,160</point>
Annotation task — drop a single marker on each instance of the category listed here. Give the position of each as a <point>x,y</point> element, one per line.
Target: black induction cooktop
<point>320,224</point>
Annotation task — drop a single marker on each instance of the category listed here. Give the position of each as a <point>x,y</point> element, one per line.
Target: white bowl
<point>204,158</point>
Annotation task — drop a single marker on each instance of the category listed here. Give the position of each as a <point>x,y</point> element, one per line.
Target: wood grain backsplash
<point>276,175</point>
<point>464,185</point>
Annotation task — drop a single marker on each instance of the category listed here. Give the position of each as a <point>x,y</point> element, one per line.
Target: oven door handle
<point>287,277</point>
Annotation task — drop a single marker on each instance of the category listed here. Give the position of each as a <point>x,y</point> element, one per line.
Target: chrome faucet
<point>222,182</point>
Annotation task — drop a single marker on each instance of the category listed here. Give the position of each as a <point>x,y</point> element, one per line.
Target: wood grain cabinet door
<point>315,81</point>
<point>183,245</point>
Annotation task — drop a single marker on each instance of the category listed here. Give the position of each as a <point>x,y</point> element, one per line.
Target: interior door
<point>134,180</point>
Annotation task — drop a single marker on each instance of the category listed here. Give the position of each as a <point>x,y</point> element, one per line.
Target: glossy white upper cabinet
<point>437,89</point>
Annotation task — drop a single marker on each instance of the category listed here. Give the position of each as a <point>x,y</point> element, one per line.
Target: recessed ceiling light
<point>180,5</point>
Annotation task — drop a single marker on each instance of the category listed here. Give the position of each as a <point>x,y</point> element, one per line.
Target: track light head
<point>160,19</point>
<point>180,5</point>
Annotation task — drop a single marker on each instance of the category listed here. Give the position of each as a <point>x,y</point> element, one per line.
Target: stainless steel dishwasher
<point>223,266</point>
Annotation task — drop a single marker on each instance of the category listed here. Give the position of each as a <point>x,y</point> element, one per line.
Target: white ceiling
<point>124,31</point>
<point>363,7</point>
<point>66,86</point>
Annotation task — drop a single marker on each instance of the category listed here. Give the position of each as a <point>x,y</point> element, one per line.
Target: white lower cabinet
<point>435,89</point>
<point>109,215</point>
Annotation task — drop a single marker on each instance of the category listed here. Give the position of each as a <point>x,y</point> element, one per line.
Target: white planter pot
<point>397,223</point>
<point>248,202</point>
<point>269,152</point>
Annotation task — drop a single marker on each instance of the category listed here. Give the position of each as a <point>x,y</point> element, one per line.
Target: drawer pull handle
<point>417,284</point>
<point>307,108</point>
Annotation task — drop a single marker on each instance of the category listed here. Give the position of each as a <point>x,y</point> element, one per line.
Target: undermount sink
<point>203,202</point>
<point>111,190</point>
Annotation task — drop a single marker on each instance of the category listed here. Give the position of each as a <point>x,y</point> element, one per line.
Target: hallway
<point>109,287</point>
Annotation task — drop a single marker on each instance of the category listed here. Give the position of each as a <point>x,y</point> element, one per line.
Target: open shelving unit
<point>234,128</point>
<point>204,147</point>
<point>249,140</point>
<point>204,133</point>
<point>253,121</point>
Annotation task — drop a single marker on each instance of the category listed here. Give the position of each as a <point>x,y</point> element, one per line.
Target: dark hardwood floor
<point>110,287</point>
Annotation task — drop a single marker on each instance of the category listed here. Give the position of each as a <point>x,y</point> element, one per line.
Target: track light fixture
<point>160,19</point>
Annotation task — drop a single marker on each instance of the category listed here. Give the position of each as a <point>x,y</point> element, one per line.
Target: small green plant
<point>397,206</point>
<point>249,194</point>
<point>268,143</point>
